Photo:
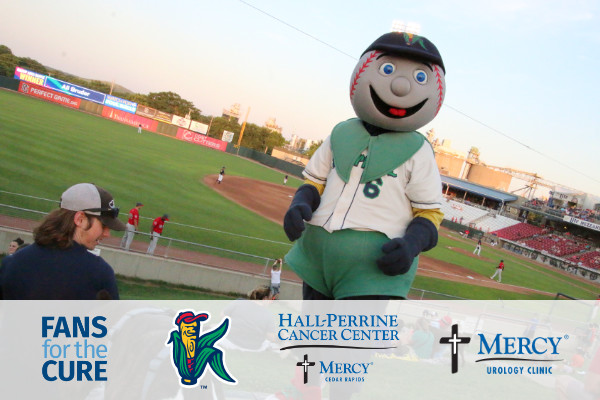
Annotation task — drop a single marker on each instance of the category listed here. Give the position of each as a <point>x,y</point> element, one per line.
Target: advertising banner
<point>129,119</point>
<point>163,116</point>
<point>198,127</point>
<point>74,90</point>
<point>227,136</point>
<point>202,140</point>
<point>46,94</point>
<point>120,104</point>
<point>29,76</point>
<point>242,349</point>
<point>580,222</point>
<point>181,121</point>
<point>145,111</point>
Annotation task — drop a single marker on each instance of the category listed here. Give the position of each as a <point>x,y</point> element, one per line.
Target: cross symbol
<point>454,340</point>
<point>305,364</point>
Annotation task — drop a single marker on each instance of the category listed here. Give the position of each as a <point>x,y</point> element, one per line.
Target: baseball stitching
<point>362,69</point>
<point>440,86</point>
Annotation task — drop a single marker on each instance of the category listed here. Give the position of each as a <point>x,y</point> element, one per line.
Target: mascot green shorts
<point>342,264</point>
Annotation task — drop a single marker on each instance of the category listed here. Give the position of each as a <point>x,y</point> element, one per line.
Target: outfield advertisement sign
<point>29,76</point>
<point>120,104</point>
<point>198,127</point>
<point>227,136</point>
<point>181,121</point>
<point>47,94</point>
<point>74,90</point>
<point>202,140</point>
<point>239,349</point>
<point>163,116</point>
<point>146,111</point>
<point>129,119</point>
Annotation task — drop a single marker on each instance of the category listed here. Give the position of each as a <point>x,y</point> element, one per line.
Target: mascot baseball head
<point>398,83</point>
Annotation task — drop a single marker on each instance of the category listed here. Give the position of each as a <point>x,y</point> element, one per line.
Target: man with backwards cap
<point>157,227</point>
<point>59,265</point>
<point>132,226</point>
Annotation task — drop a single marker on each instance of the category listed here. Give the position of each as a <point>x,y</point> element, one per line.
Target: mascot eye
<point>387,69</point>
<point>420,76</point>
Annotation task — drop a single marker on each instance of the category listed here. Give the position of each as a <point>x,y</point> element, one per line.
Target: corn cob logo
<point>192,353</point>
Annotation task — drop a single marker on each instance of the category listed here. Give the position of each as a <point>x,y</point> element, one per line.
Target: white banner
<point>199,127</point>
<point>336,349</point>
<point>180,121</point>
<point>227,136</point>
<point>580,222</point>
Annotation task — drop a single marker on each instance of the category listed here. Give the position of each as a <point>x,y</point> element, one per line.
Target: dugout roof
<point>483,191</point>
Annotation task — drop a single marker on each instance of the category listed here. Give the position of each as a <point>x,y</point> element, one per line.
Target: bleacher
<point>519,231</point>
<point>555,245</point>
<point>461,213</point>
<point>590,259</point>
<point>493,223</point>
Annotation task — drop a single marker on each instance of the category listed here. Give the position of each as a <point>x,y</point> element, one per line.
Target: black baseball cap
<point>94,201</point>
<point>408,45</point>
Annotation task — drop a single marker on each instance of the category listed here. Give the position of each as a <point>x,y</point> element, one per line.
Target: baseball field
<point>45,148</point>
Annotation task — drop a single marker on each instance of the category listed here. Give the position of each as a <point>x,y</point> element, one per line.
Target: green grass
<point>46,148</point>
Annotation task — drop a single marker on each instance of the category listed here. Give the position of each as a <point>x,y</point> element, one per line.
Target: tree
<point>313,147</point>
<point>31,64</point>
<point>5,50</point>
<point>8,63</point>
<point>220,124</point>
<point>172,103</point>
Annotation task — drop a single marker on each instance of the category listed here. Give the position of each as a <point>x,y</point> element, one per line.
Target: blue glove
<point>306,200</point>
<point>421,235</point>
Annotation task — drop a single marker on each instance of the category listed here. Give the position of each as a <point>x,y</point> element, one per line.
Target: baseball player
<point>132,226</point>
<point>498,272</point>
<point>221,174</point>
<point>478,248</point>
<point>140,128</point>
<point>157,227</point>
<point>372,194</point>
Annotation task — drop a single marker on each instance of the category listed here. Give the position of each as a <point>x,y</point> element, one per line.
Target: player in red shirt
<point>157,227</point>
<point>498,272</point>
<point>132,226</point>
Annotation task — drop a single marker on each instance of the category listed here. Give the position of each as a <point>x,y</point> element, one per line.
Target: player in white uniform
<point>372,196</point>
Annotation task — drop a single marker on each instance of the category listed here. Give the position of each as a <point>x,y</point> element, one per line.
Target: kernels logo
<point>192,353</point>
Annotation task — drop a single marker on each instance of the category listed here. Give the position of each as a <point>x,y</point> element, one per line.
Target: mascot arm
<point>399,253</point>
<point>306,200</point>
<point>320,187</point>
<point>435,215</point>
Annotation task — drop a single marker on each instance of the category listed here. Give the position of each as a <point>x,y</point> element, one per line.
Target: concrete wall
<point>449,165</point>
<point>488,177</point>
<point>142,266</point>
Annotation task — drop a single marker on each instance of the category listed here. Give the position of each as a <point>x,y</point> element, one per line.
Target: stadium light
<point>408,27</point>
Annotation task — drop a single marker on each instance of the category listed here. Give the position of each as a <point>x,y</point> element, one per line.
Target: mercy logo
<point>192,352</point>
<point>305,364</point>
<point>455,340</point>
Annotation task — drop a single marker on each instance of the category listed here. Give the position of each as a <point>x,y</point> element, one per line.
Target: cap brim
<point>113,223</point>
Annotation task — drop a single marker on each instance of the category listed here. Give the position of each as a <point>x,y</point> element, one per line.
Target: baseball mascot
<point>372,196</point>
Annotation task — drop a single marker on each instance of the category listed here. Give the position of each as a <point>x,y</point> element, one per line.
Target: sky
<point>522,76</point>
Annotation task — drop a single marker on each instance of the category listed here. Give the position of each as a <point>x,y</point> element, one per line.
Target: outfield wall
<point>142,266</point>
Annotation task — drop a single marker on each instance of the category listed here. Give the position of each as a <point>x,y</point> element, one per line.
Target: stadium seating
<point>555,245</point>
<point>455,210</point>
<point>590,259</point>
<point>519,231</point>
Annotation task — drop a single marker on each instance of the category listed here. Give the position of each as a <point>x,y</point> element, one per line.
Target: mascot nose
<point>401,86</point>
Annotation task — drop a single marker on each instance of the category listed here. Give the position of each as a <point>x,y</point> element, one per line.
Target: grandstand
<point>590,259</point>
<point>519,231</point>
